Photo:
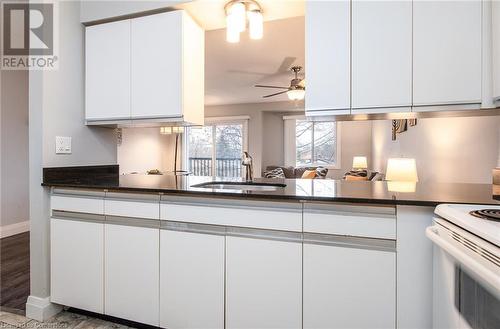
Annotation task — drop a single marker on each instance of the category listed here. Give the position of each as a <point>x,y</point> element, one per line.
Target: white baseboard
<point>14,229</point>
<point>41,309</point>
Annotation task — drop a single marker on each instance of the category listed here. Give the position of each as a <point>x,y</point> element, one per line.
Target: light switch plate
<point>63,145</point>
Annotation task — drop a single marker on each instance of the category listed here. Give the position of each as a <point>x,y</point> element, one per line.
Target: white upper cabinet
<point>328,57</point>
<point>496,51</point>
<point>381,55</point>
<point>447,52</point>
<point>107,71</point>
<point>167,57</point>
<point>154,66</point>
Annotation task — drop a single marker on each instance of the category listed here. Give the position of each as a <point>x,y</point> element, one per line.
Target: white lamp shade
<point>405,187</point>
<point>256,24</point>
<point>296,94</point>
<point>232,29</point>
<point>401,170</point>
<point>359,162</point>
<point>237,12</point>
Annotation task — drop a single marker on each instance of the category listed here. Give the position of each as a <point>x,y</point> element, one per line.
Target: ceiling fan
<point>296,90</point>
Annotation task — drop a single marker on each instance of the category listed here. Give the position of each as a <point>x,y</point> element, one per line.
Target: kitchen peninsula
<point>299,256</point>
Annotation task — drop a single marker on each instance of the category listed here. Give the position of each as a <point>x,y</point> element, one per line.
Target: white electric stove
<point>466,267</point>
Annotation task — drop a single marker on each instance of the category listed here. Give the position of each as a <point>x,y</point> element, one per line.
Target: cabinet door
<point>263,283</point>
<point>347,287</point>
<point>447,52</point>
<point>191,280</point>
<point>131,273</point>
<point>328,57</point>
<point>156,56</point>
<point>496,51</point>
<point>76,264</point>
<point>107,71</point>
<point>381,54</point>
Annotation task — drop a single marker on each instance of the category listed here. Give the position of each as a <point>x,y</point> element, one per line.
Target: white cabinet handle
<point>350,242</point>
<point>78,216</point>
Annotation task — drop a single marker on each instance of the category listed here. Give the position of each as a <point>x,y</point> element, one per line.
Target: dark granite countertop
<point>425,194</point>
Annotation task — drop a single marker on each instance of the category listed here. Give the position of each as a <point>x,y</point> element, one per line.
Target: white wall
<point>64,102</point>
<point>462,150</point>
<point>143,149</point>
<point>56,107</point>
<point>14,212</point>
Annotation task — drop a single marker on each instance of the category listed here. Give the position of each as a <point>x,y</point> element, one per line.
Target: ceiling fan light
<point>232,29</point>
<point>256,24</point>
<point>237,11</point>
<point>296,94</point>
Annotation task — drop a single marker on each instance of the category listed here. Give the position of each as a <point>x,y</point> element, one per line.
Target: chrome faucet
<point>247,161</point>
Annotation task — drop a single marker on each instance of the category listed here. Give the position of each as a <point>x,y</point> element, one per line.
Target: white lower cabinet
<point>348,287</point>
<point>76,263</point>
<point>191,280</point>
<point>263,283</point>
<point>131,272</point>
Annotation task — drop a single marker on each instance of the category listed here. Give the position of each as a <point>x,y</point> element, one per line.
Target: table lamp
<point>401,175</point>
<point>359,163</point>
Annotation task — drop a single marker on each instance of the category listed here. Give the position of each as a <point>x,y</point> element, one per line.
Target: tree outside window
<point>215,150</point>
<point>315,143</point>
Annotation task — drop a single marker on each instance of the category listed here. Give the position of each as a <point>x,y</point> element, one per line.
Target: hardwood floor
<point>65,319</point>
<point>14,272</point>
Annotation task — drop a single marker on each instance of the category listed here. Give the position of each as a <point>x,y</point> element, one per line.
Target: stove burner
<point>490,214</point>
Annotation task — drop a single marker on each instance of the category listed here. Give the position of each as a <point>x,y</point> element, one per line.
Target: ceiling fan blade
<point>286,64</point>
<point>248,72</point>
<point>264,86</point>
<point>302,83</point>
<point>281,92</point>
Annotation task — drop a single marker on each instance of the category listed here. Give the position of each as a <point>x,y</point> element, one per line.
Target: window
<point>216,149</point>
<point>311,143</point>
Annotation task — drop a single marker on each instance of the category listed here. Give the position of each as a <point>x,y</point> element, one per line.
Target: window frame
<point>290,143</point>
<point>214,122</point>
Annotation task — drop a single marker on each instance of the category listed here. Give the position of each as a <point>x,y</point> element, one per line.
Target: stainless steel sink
<point>242,186</point>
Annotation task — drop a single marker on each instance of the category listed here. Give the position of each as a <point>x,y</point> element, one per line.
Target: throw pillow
<point>309,174</point>
<point>321,172</point>
<point>275,173</point>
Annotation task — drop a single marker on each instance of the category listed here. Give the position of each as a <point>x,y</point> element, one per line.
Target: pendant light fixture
<point>238,12</point>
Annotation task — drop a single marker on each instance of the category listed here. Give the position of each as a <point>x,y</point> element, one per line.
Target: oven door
<point>466,284</point>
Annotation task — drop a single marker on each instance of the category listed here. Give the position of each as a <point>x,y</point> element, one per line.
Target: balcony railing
<point>224,167</point>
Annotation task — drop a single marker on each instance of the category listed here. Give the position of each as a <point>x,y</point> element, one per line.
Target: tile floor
<point>63,320</point>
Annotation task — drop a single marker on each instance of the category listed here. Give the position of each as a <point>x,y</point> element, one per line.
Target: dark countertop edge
<point>274,197</point>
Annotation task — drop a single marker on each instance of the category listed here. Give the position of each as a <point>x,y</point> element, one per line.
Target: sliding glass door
<point>216,149</point>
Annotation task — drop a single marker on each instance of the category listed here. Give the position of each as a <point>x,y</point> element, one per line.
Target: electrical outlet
<point>63,145</point>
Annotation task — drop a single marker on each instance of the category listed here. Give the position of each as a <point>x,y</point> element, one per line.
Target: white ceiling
<point>232,69</point>
<point>210,13</point>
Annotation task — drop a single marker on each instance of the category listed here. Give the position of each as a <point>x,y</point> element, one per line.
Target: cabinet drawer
<point>92,203</point>
<point>243,213</point>
<point>353,220</point>
<point>132,205</point>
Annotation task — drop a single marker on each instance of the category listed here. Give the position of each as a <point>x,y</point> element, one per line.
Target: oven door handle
<point>482,274</point>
